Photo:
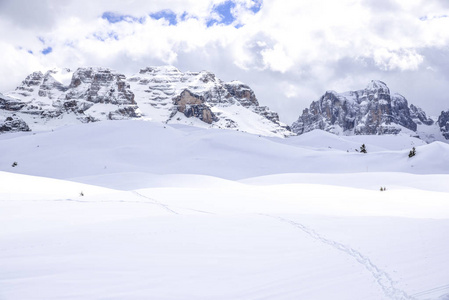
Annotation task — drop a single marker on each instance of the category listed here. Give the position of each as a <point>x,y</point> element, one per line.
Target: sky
<point>288,52</point>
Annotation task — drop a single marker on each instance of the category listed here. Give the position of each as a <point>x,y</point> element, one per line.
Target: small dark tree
<point>412,152</point>
<point>363,149</point>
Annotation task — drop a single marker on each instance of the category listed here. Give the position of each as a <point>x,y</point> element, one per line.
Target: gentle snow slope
<point>139,210</point>
<point>221,241</point>
<point>107,148</point>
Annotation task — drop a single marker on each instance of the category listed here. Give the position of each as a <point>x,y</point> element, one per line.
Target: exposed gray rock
<point>443,123</point>
<point>100,85</point>
<point>13,124</point>
<point>50,86</point>
<point>401,113</point>
<point>30,83</point>
<point>419,116</point>
<point>125,111</point>
<point>192,105</point>
<point>242,93</point>
<point>10,104</point>
<point>247,98</point>
<point>372,110</point>
<point>90,86</point>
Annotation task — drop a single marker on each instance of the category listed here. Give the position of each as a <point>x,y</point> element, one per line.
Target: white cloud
<point>290,90</point>
<point>403,60</point>
<point>324,44</point>
<point>277,59</point>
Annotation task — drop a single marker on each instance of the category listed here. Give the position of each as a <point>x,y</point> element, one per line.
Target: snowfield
<point>141,210</point>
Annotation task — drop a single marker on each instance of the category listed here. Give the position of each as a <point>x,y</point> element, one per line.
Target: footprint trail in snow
<point>382,278</point>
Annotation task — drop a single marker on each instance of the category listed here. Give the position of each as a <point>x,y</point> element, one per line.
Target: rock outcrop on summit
<point>373,110</point>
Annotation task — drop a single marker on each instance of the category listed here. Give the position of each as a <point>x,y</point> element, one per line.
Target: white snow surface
<point>142,210</point>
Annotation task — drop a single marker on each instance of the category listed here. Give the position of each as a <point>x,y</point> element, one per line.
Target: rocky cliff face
<point>443,123</point>
<point>419,116</point>
<point>372,110</point>
<point>100,85</point>
<point>93,94</point>
<point>10,104</point>
<point>192,105</point>
<point>156,93</point>
<point>91,90</point>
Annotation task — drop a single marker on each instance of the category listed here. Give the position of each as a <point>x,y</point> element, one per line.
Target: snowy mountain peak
<point>61,75</point>
<point>32,80</point>
<point>377,85</point>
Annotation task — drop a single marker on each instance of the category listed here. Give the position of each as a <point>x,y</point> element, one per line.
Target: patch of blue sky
<point>224,10</point>
<point>112,18</point>
<point>103,37</point>
<point>99,37</point>
<point>113,35</point>
<point>184,16</point>
<point>426,18</point>
<point>47,50</point>
<point>168,15</point>
<point>256,6</point>
<point>226,17</point>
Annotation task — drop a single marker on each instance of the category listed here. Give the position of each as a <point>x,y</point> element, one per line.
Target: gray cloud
<point>31,14</point>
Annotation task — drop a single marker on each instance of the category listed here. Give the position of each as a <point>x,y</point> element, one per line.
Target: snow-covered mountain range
<point>373,110</point>
<point>164,94</point>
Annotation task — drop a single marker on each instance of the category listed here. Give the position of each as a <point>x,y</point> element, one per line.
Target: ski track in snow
<point>153,202</point>
<point>156,202</point>
<point>382,278</point>
<point>435,290</point>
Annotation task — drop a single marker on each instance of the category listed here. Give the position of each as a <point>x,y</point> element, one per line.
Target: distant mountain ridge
<point>164,94</point>
<point>60,97</point>
<point>373,110</point>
